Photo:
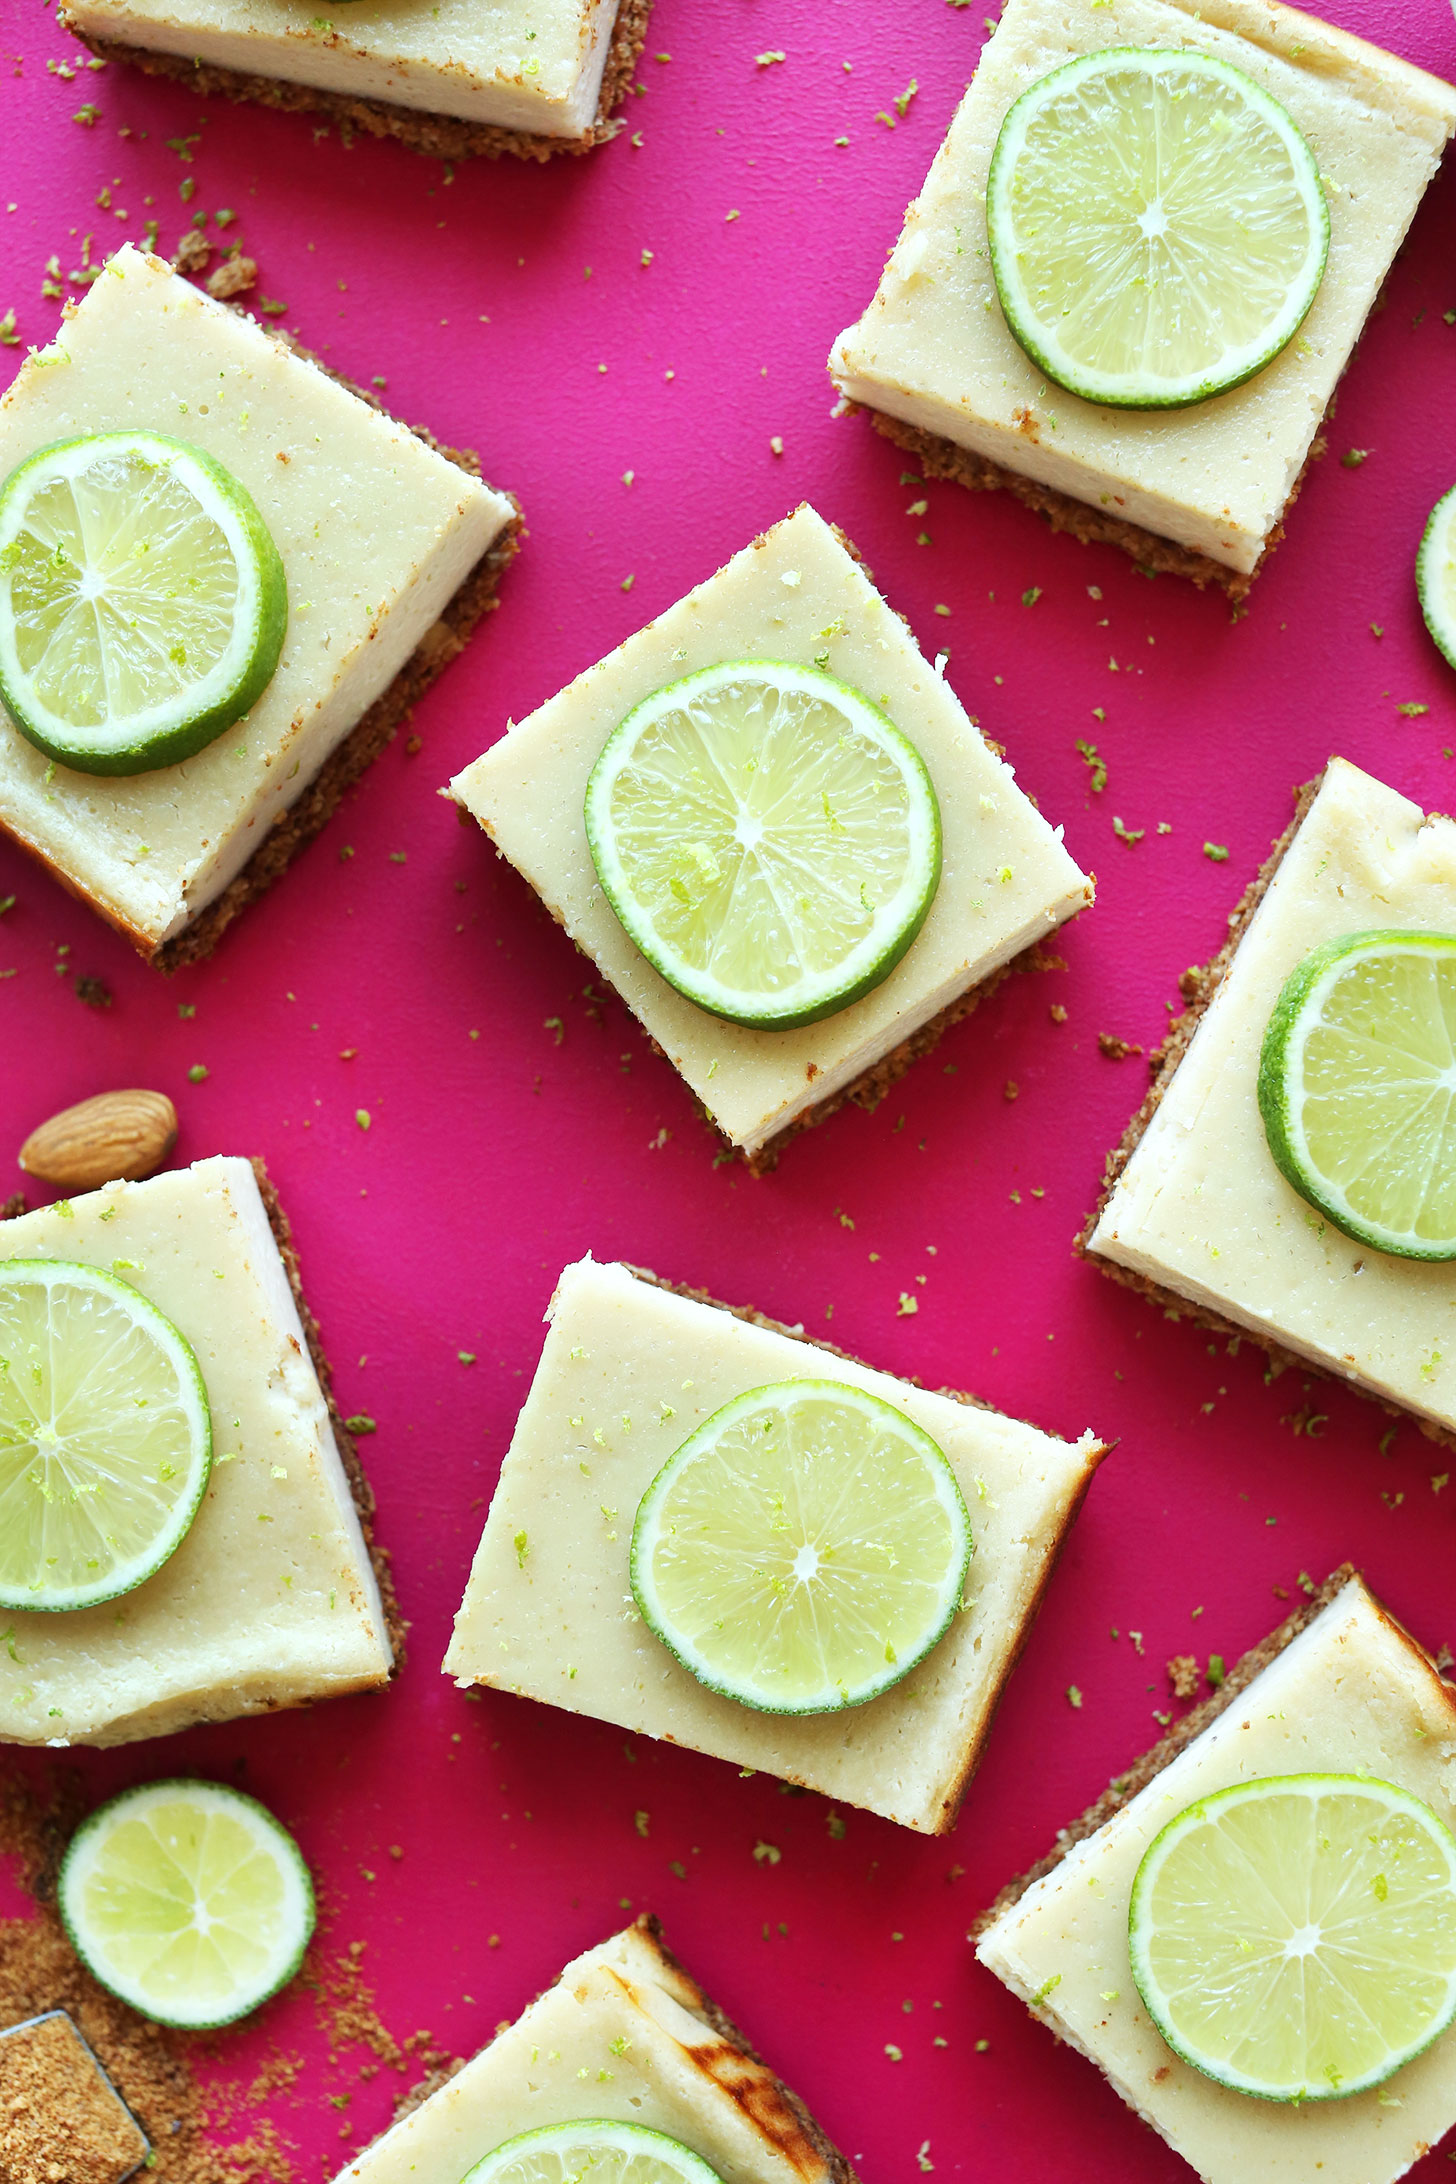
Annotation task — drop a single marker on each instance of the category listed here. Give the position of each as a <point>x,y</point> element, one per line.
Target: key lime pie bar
<point>1122,343</point>
<point>858,1650</point>
<point>221,593</point>
<point>769,822</point>
<point>526,77</point>
<point>1340,1706</point>
<point>186,1523</point>
<point>623,2038</point>
<point>1200,1214</point>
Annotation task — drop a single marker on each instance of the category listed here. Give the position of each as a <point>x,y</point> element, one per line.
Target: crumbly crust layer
<point>972,1757</point>
<point>942,458</point>
<point>359,1487</point>
<point>1198,986</point>
<point>438,136</point>
<point>296,827</point>
<point>1144,1770</point>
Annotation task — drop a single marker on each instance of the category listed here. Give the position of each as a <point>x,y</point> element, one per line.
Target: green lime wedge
<point>1295,1937</point>
<point>1357,1088</point>
<point>105,1437</point>
<point>768,838</point>
<point>142,601</point>
<point>592,2152</point>
<point>188,1900</point>
<point>1157,224</point>
<point>1436,574</point>
<point>803,1550</point>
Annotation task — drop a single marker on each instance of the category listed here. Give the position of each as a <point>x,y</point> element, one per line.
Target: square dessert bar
<point>1340,1688</point>
<point>392,550</point>
<point>797,594</point>
<point>1195,1213</point>
<point>630,1368</point>
<point>1203,490</point>
<point>273,1598</point>
<point>459,77</point>
<point>624,2036</point>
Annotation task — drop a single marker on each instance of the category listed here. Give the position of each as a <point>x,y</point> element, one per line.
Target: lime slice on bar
<point>142,601</point>
<point>1357,1088</point>
<point>105,1437</point>
<point>1158,228</point>
<point>592,2152</point>
<point>1436,574</point>
<point>768,838</point>
<point>188,1900</point>
<point>803,1550</point>
<point>1296,1937</point>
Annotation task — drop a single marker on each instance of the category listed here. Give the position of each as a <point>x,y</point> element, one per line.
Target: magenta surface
<point>516,1125</point>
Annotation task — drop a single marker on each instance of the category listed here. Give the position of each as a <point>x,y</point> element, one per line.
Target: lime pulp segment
<point>1157,225</point>
<point>768,838</point>
<point>187,1900</point>
<point>1357,1088</point>
<point>592,2152</point>
<point>1295,1937</point>
<point>1436,574</point>
<point>803,1550</point>
<point>105,1437</point>
<point>143,602</point>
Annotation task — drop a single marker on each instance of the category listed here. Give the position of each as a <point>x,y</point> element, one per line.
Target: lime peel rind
<point>1347,1105</point>
<point>52,1312</point>
<point>732,818</point>
<point>132,1903</point>
<point>808,1573</point>
<point>1144,240</point>
<point>543,2156</point>
<point>1436,574</point>
<point>1240,1911</point>
<point>112,546</point>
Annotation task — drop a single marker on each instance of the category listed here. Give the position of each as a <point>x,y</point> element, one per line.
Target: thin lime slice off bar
<point>803,1550</point>
<point>768,838</point>
<point>1158,227</point>
<point>105,1436</point>
<point>187,1900</point>
<point>143,603</point>
<point>1295,1937</point>
<point>592,2152</point>
<point>1436,574</point>
<point>1357,1088</point>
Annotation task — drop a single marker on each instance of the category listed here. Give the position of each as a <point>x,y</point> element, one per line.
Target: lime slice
<point>1436,574</point>
<point>1357,1087</point>
<point>1158,229</point>
<point>604,2153</point>
<point>803,1550</point>
<point>768,837</point>
<point>105,1437</point>
<point>1296,1937</point>
<point>188,1900</point>
<point>142,601</point>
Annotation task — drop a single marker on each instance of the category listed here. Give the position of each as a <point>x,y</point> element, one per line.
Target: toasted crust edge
<point>1145,1769</point>
<point>837,2166</point>
<point>1154,555</point>
<point>438,136</point>
<point>956,1789</point>
<point>1198,985</point>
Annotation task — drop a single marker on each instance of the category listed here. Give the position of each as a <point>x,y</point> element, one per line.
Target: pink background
<point>490,302</point>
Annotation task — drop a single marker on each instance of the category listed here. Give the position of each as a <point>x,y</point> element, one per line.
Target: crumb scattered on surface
<point>1116,1050</point>
<point>1184,1675</point>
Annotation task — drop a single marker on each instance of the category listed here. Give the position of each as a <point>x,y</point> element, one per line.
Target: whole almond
<point>116,1137</point>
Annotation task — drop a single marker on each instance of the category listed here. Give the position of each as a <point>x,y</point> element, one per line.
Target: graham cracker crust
<point>1154,555</point>
<point>955,1795</point>
<point>438,136</point>
<point>1144,1770</point>
<point>296,826</point>
<point>1198,985</point>
<point>360,1489</point>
